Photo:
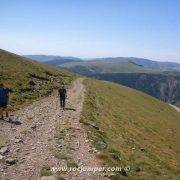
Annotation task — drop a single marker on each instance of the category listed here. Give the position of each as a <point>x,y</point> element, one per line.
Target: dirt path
<point>82,152</point>
<point>34,144</point>
<point>175,107</point>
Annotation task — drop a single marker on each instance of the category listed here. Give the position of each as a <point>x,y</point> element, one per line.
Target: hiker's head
<point>1,85</point>
<point>62,85</point>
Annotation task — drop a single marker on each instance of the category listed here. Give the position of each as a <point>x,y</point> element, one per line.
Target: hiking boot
<point>9,119</point>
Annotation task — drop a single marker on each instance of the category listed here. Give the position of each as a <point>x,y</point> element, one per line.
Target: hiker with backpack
<point>4,100</point>
<point>63,95</point>
<point>32,85</point>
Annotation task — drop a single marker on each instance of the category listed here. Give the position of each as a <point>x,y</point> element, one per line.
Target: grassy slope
<point>138,129</point>
<point>110,67</point>
<point>164,86</point>
<point>15,74</point>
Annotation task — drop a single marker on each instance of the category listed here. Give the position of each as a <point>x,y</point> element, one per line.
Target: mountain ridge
<point>167,65</point>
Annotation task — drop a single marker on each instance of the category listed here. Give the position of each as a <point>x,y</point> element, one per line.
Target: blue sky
<point>92,28</point>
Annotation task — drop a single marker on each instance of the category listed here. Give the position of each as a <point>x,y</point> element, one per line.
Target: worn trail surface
<point>33,144</point>
<point>175,107</point>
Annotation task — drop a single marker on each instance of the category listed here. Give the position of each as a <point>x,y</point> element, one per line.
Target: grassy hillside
<point>97,67</point>
<point>145,62</point>
<point>16,73</point>
<point>130,128</point>
<point>164,86</point>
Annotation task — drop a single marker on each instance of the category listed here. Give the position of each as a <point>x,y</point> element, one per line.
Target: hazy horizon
<point>91,58</point>
<point>92,29</point>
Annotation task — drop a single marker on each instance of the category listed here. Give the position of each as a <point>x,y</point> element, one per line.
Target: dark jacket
<point>62,93</point>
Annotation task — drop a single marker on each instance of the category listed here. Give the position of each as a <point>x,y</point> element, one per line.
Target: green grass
<point>65,133</point>
<point>132,129</point>
<point>16,72</point>
<point>59,177</point>
<point>94,67</point>
<point>45,171</point>
<point>71,163</point>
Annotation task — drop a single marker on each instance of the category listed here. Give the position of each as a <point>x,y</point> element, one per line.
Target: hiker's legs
<point>1,113</point>
<point>64,102</point>
<point>7,112</point>
<point>61,102</point>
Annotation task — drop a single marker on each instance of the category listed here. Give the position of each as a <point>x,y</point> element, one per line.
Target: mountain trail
<point>48,137</point>
<point>175,107</point>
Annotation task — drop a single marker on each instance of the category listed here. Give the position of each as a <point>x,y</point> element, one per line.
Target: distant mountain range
<point>106,66</point>
<point>158,79</point>
<point>53,60</point>
<point>146,63</point>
